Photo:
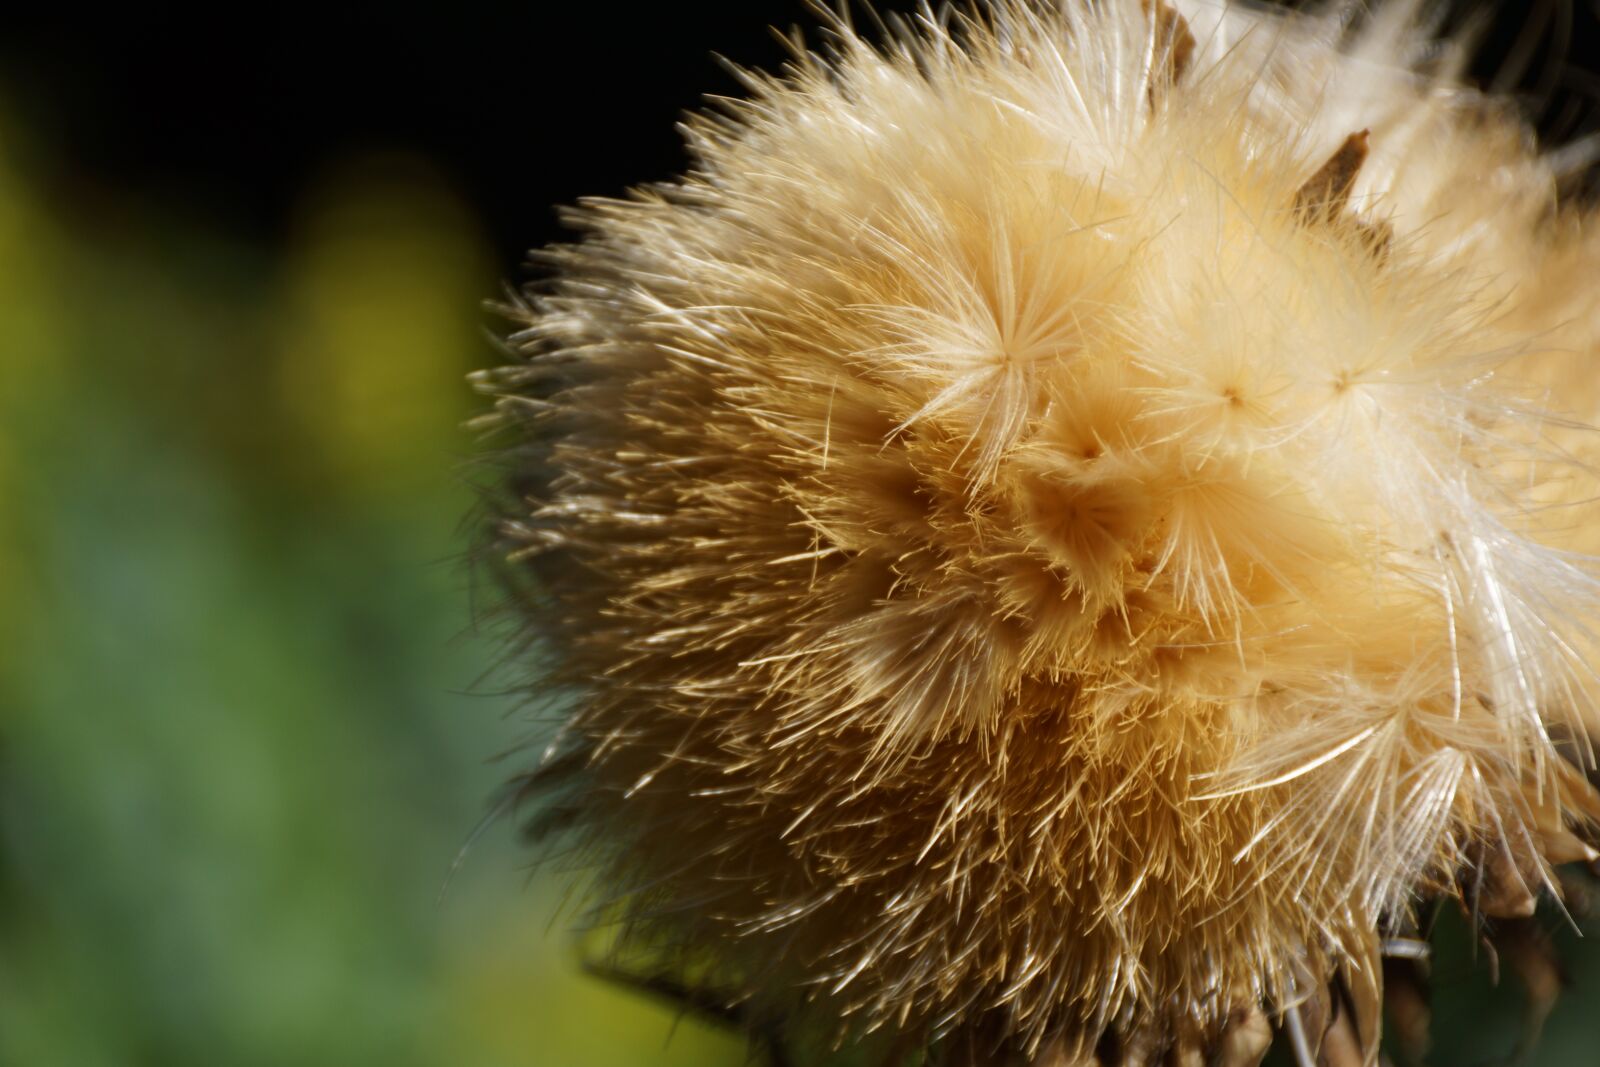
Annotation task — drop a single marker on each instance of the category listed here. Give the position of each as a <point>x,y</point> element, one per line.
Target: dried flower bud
<point>1063,527</point>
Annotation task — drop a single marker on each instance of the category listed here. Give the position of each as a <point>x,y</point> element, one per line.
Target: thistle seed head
<point>1065,525</point>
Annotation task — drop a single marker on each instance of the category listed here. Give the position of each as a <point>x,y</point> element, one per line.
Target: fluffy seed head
<point>1063,526</point>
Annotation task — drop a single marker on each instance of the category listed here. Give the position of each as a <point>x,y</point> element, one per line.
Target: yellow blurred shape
<point>386,274</point>
<point>520,999</point>
<point>32,341</point>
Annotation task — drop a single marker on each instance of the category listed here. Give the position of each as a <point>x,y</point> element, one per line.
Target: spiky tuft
<point>1063,526</point>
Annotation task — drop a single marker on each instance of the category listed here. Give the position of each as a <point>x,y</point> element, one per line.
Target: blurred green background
<point>238,747</point>
<point>236,754</point>
<point>247,723</point>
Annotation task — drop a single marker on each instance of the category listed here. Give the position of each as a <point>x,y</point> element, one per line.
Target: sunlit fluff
<point>1064,526</point>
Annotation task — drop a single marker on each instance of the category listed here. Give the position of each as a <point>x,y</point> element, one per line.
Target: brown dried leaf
<point>1508,877</point>
<point>1174,45</point>
<point>1326,193</point>
<point>1530,954</point>
<point>1406,1000</point>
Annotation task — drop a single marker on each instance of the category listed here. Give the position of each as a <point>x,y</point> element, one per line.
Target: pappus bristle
<point>1065,526</point>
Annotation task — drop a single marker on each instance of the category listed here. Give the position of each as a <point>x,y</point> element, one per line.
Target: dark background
<point>521,105</point>
<point>232,111</point>
<point>246,719</point>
